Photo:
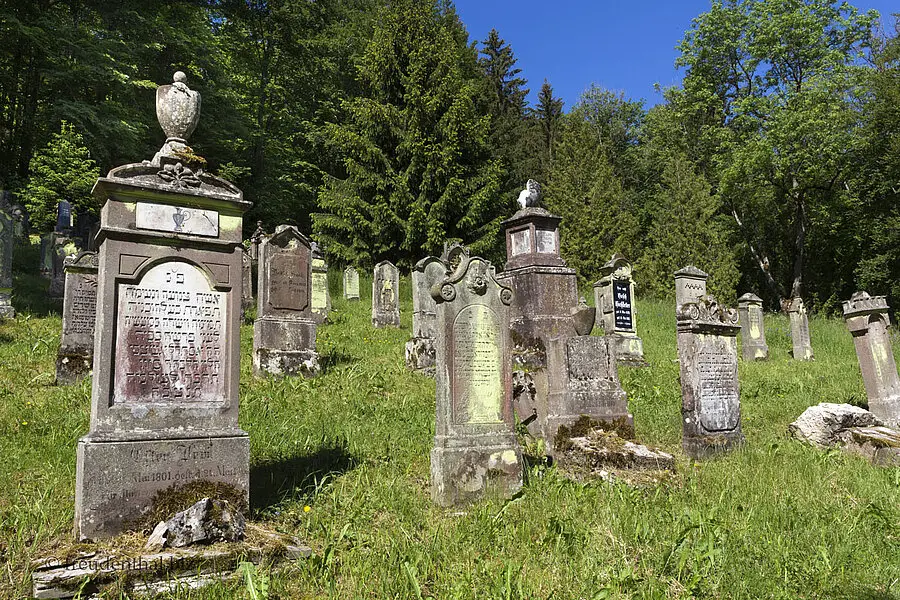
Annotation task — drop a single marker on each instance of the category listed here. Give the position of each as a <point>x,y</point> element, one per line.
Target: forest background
<point>383,130</point>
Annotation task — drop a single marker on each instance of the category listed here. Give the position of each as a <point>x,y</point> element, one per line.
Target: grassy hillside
<point>343,461</point>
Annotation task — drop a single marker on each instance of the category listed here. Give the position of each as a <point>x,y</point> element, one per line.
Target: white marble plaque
<point>521,242</point>
<point>164,217</point>
<point>546,241</point>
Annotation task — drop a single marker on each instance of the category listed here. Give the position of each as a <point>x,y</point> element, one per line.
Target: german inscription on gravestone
<point>288,281</point>
<point>477,385</point>
<point>622,305</point>
<point>171,329</point>
<point>717,371</point>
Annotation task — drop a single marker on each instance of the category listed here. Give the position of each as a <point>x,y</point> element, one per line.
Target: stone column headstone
<point>475,450</point>
<point>690,285</point>
<point>7,242</point>
<point>420,349</point>
<point>284,333</point>
<point>255,241</point>
<point>320,297</point>
<point>796,311</point>
<point>247,299</point>
<point>386,295</point>
<point>753,329</point>
<point>75,357</point>
<point>867,319</point>
<point>614,299</point>
<point>165,396</point>
<point>351,284</point>
<point>710,395</point>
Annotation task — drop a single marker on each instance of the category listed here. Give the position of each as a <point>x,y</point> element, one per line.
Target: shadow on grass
<point>274,482</point>
<point>31,295</point>
<point>334,358</point>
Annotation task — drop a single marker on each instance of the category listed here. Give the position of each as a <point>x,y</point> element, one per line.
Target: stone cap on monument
<point>81,262</point>
<point>691,272</point>
<point>617,267</point>
<point>861,303</point>
<point>748,299</point>
<point>707,316</point>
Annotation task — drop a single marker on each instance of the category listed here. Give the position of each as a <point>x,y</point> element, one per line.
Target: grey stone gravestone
<point>867,319</point>
<point>255,241</point>
<point>247,299</point>
<point>710,395</point>
<point>63,216</point>
<point>475,451</point>
<point>753,329</point>
<point>690,285</point>
<point>614,299</point>
<point>420,349</point>
<point>320,297</point>
<point>164,403</point>
<point>284,333</point>
<point>386,295</point>
<point>47,249</point>
<point>351,284</point>
<point>63,248</point>
<point>75,357</point>
<point>800,340</point>
<point>7,242</point>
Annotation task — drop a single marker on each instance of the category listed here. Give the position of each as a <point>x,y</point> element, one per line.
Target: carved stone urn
<point>177,108</point>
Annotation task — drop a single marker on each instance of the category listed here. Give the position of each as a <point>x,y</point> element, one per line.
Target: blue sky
<point>621,45</point>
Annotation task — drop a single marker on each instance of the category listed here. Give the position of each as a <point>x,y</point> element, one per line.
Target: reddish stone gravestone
<point>75,357</point>
<point>164,406</point>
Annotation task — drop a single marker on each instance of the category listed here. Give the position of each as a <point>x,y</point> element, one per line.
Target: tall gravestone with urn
<point>753,330</point>
<point>420,349</point>
<point>75,357</point>
<point>164,405</point>
<point>614,299</point>
<point>386,295</point>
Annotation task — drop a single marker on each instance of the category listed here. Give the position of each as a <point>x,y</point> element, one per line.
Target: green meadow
<point>342,461</point>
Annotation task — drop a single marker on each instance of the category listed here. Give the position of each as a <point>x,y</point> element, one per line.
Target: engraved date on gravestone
<point>477,372</point>
<point>163,217</point>
<point>81,316</point>
<point>622,309</point>
<point>288,281</point>
<point>717,372</point>
<point>170,330</point>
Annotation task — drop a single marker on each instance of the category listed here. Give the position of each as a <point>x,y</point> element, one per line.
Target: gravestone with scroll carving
<point>320,296</point>
<point>165,396</point>
<point>284,333</point>
<point>868,321</point>
<point>386,295</point>
<point>614,299</point>
<point>710,395</point>
<point>351,283</point>
<point>475,450</point>
<point>420,349</point>
<point>7,242</point>
<point>753,329</point>
<point>800,340</point>
<point>75,357</point>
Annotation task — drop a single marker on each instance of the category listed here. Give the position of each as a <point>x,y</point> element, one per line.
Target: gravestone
<point>164,402</point>
<point>386,295</point>
<point>690,285</point>
<point>63,216</point>
<point>868,321</point>
<point>321,298</point>
<point>420,349</point>
<point>351,284</point>
<point>475,451</point>
<point>796,311</point>
<point>47,250</point>
<point>614,299</point>
<point>63,247</point>
<point>753,329</point>
<point>7,242</point>
<point>284,333</point>
<point>247,299</point>
<point>75,357</point>
<point>255,241</point>
<point>710,396</point>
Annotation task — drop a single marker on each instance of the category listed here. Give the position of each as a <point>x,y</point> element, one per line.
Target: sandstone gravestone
<point>386,295</point>
<point>75,357</point>
<point>707,353</point>
<point>690,285</point>
<point>753,330</point>
<point>320,297</point>
<point>164,405</point>
<point>246,283</point>
<point>614,299</point>
<point>284,333</point>
<point>475,451</point>
<point>420,349</point>
<point>867,319</point>
<point>7,242</point>
<point>799,329</point>
<point>351,284</point>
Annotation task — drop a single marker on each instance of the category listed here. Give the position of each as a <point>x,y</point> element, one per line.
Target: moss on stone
<point>177,498</point>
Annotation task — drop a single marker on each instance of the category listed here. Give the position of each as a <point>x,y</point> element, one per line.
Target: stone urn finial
<point>177,108</point>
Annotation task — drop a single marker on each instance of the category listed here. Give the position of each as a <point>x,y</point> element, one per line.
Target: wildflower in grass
<point>307,508</point>
<point>24,422</point>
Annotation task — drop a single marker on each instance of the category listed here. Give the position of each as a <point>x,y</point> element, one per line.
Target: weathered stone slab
<point>797,314</point>
<point>420,353</point>
<point>614,299</point>
<point>753,330</point>
<point>386,295</point>
<point>320,297</point>
<point>247,299</point>
<point>75,357</point>
<point>7,242</point>
<point>351,284</point>
<point>690,285</point>
<point>821,425</point>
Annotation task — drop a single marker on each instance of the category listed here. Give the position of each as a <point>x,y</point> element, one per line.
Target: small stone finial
<point>179,77</point>
<point>531,195</point>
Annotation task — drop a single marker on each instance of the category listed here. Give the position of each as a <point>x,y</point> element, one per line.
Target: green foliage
<point>63,170</point>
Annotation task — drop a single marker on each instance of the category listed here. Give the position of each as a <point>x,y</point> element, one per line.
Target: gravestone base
<point>750,352</point>
<point>803,353</point>
<point>630,350</point>
<point>707,445</point>
<point>488,467</point>
<point>285,363</point>
<point>284,347</point>
<point>73,365</point>
<point>420,355</point>
<point>118,481</point>
<point>386,319</point>
<point>6,309</point>
<point>887,409</point>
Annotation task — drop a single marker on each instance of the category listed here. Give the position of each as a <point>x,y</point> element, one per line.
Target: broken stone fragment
<point>205,522</point>
<point>159,537</point>
<point>601,450</point>
<point>821,425</point>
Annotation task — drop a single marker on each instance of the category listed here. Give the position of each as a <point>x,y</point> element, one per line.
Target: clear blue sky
<point>622,45</point>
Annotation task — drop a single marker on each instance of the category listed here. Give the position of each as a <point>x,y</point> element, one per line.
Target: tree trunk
<point>761,260</point>
<point>799,247</point>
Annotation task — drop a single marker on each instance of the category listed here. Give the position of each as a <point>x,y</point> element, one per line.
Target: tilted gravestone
<point>753,329</point>
<point>386,295</point>
<point>475,450</point>
<point>351,283</point>
<point>707,353</point>
<point>75,357</point>
<point>867,319</point>
<point>320,297</point>
<point>802,348</point>
<point>284,333</point>
<point>420,349</point>
<point>614,299</point>
<point>165,397</point>
<point>690,285</point>
<point>7,241</point>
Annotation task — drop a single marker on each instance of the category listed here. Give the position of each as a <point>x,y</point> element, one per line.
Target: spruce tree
<point>547,118</point>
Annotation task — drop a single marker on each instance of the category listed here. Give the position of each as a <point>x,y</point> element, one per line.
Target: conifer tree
<point>547,117</point>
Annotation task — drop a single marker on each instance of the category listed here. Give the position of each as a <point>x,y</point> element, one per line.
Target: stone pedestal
<point>284,333</point>
<point>420,351</point>
<point>386,295</point>
<point>75,357</point>
<point>351,284</point>
<point>475,451</point>
<point>614,299</point>
<point>707,354</point>
<point>868,321</point>
<point>690,285</point>
<point>7,242</point>
<point>753,329</point>
<point>320,297</point>
<point>799,329</point>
